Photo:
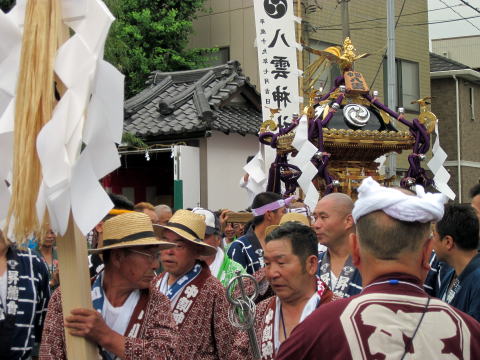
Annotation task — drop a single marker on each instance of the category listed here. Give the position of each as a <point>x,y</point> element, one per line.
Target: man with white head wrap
<point>393,317</point>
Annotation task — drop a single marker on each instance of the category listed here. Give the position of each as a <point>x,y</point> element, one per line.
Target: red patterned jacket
<point>157,337</point>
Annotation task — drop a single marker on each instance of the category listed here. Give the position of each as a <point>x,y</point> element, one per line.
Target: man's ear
<point>427,253</point>
<point>354,249</point>
<point>349,223</point>
<point>448,242</point>
<point>311,265</point>
<point>116,257</point>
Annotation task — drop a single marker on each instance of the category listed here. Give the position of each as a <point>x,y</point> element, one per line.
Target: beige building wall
<point>231,23</point>
<point>465,49</point>
<point>444,106</point>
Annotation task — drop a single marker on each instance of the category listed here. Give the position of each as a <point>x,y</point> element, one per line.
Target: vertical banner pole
<point>300,65</point>
<point>298,29</point>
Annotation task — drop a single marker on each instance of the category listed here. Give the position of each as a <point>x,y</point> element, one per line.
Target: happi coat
<point>349,281</point>
<point>200,311</point>
<point>247,251</point>
<point>464,293</point>
<point>26,300</point>
<point>154,337</point>
<point>380,324</point>
<point>267,322</point>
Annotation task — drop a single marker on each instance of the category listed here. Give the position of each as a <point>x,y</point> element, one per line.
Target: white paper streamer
<point>440,174</point>
<point>306,150</point>
<point>257,177</point>
<point>10,47</point>
<point>89,115</point>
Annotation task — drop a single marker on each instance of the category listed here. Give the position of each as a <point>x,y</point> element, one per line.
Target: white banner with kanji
<point>277,57</point>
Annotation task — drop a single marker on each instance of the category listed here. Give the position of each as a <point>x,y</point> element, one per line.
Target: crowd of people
<point>394,274</point>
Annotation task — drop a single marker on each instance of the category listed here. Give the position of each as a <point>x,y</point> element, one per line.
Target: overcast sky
<point>456,28</point>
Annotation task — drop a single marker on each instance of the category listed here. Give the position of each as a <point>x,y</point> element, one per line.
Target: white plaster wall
<point>226,156</point>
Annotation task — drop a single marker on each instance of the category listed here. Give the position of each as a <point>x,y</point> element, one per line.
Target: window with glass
<point>408,83</point>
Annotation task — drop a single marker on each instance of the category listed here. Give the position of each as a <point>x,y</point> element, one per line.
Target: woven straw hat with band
<point>296,217</point>
<point>129,230</point>
<point>190,227</point>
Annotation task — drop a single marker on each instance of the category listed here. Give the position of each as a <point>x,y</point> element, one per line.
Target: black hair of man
<point>262,199</point>
<point>461,223</point>
<point>475,190</point>
<point>387,238</point>
<point>120,202</point>
<point>302,238</point>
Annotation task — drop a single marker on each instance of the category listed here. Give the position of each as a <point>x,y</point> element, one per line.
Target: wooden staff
<point>75,284</point>
<point>43,33</point>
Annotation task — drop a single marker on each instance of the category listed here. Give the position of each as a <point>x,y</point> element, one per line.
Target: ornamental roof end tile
<point>195,100</point>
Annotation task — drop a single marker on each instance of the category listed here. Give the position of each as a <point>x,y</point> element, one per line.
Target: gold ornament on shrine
<point>426,117</point>
<point>359,129</point>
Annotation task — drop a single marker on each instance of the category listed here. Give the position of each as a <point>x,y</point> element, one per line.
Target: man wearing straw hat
<point>198,300</point>
<point>393,317</point>
<point>290,266</point>
<point>130,320</point>
<point>121,205</point>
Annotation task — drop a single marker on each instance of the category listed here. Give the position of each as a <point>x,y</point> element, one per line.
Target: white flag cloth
<point>77,146</point>
<point>10,47</point>
<point>424,207</point>
<point>257,179</point>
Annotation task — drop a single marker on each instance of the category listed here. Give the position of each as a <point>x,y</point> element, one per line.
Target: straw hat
<point>296,217</point>
<point>190,227</point>
<point>129,230</point>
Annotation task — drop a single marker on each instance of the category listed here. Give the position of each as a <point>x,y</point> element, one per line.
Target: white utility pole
<point>391,167</point>
<point>345,18</point>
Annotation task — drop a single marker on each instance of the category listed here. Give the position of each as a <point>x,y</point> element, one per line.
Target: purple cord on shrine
<point>424,134</point>
<point>339,80</point>
<point>330,114</point>
<point>387,110</point>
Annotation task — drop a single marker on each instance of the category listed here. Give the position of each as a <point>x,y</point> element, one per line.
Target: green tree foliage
<point>6,5</point>
<point>152,35</point>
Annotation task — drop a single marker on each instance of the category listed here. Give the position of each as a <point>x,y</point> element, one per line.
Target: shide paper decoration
<point>76,147</point>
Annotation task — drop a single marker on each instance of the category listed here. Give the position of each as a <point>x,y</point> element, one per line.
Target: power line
<point>402,25</point>
<point>384,18</point>
<point>470,6</point>
<point>456,12</point>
